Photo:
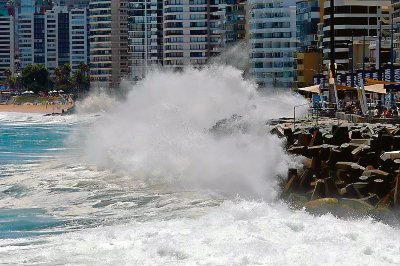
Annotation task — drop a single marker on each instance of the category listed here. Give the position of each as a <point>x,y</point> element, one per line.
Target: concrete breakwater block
<point>356,165</point>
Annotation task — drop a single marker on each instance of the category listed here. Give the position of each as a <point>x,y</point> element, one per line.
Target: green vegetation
<point>81,79</point>
<point>37,78</point>
<point>33,99</point>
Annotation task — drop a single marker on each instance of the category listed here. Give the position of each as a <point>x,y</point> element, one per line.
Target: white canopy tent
<point>313,89</point>
<point>376,88</point>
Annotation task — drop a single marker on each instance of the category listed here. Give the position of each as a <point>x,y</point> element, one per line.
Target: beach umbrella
<point>60,91</point>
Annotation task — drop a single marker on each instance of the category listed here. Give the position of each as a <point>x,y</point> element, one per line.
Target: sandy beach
<point>40,108</point>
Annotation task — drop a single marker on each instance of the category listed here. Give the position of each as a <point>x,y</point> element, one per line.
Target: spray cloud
<point>198,129</point>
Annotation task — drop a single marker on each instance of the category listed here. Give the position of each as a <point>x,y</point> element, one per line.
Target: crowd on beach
<point>48,104</point>
<point>378,111</point>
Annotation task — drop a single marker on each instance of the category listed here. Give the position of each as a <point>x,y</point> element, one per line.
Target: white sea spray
<point>195,129</point>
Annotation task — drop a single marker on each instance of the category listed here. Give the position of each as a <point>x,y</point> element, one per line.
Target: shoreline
<point>38,109</point>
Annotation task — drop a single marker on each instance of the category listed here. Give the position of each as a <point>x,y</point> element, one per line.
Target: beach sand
<point>42,109</point>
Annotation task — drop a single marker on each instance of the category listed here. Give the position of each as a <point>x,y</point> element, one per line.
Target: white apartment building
<point>26,39</point>
<point>145,36</point>
<point>51,37</point>
<point>6,44</point>
<point>189,32</point>
<point>57,48</point>
<point>78,37</point>
<point>272,42</point>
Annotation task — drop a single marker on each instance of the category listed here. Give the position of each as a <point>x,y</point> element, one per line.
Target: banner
<point>345,78</point>
<point>319,79</point>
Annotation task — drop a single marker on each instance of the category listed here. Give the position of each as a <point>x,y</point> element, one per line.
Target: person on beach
<point>376,112</point>
<point>395,113</point>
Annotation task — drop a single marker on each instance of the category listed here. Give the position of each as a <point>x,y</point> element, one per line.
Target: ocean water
<point>157,180</point>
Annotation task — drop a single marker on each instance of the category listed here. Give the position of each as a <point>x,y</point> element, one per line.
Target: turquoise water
<point>21,145</point>
<point>29,143</point>
<point>57,209</point>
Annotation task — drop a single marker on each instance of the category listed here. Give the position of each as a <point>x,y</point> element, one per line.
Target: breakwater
<point>347,168</point>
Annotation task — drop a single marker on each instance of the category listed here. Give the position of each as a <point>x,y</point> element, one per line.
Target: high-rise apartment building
<point>354,19</point>
<point>309,56</point>
<point>57,38</point>
<point>6,44</point>
<point>307,19</point>
<point>78,37</point>
<point>108,42</point>
<point>26,39</point>
<point>78,3</point>
<point>396,22</point>
<point>3,7</point>
<point>189,32</point>
<point>145,36</point>
<point>29,31</point>
<point>27,6</point>
<point>39,39</point>
<point>272,41</point>
<point>231,24</point>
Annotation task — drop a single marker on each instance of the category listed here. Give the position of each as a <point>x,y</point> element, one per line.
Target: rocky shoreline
<point>347,168</point>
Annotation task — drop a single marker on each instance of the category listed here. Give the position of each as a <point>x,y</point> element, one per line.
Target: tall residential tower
<point>189,32</point>
<point>272,42</point>
<point>108,42</point>
<point>145,36</point>
<point>6,44</point>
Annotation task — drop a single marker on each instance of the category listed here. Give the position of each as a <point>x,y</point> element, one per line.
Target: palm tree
<point>77,80</point>
<point>84,68</point>
<point>58,76</point>
<point>84,76</point>
<point>62,74</point>
<point>8,74</point>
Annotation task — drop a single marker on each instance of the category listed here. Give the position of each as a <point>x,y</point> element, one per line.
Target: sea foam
<point>235,233</point>
<point>195,129</point>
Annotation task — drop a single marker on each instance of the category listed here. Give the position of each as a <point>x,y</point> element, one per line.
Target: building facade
<point>78,37</point>
<point>307,19</point>
<point>6,44</point>
<point>189,32</point>
<point>272,42</point>
<point>108,42</point>
<point>77,3</point>
<point>309,56</point>
<point>231,24</point>
<point>57,48</point>
<point>39,39</point>
<point>26,39</point>
<point>355,19</point>
<point>145,36</point>
<point>396,22</point>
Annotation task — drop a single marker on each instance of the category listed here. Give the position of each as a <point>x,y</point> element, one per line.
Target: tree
<point>81,78</point>
<point>8,74</point>
<point>63,74</point>
<point>13,82</point>
<point>35,78</point>
<point>85,70</point>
